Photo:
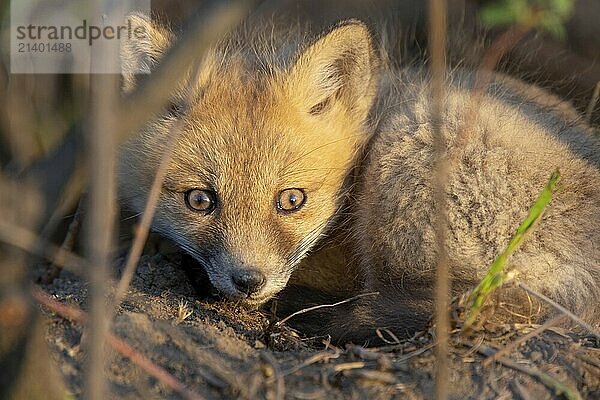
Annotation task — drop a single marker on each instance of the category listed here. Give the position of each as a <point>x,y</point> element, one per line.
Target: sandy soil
<point>225,351</point>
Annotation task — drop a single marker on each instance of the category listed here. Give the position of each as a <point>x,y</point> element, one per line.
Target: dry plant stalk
<point>320,306</point>
<point>516,343</point>
<point>323,356</point>
<point>559,388</point>
<point>101,214</point>
<point>437,49</point>
<point>183,312</point>
<point>560,308</point>
<point>67,245</point>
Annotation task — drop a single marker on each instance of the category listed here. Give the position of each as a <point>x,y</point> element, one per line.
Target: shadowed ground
<point>224,351</point>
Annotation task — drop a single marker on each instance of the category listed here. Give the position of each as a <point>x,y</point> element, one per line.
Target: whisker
<point>309,240</point>
<point>131,216</point>
<point>285,167</point>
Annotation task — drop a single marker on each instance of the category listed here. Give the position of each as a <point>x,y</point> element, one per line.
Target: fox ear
<point>339,67</point>
<point>141,48</point>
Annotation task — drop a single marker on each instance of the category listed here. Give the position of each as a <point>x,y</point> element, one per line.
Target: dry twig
<point>324,356</point>
<point>559,308</point>
<point>516,343</point>
<point>380,334</point>
<point>437,38</point>
<point>101,210</point>
<point>557,387</point>
<point>305,310</point>
<point>349,365</point>
<point>375,376</point>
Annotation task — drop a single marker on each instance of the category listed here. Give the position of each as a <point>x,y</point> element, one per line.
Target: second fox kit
<point>289,143</point>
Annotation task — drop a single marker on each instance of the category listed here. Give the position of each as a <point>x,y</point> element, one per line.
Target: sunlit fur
<point>259,123</point>
<point>280,110</point>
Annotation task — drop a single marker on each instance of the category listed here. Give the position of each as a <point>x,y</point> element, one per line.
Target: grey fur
<point>520,136</point>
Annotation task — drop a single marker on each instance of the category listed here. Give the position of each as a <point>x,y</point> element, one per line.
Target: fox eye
<point>201,200</point>
<point>291,200</point>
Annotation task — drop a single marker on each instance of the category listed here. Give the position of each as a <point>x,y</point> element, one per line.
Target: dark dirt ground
<point>225,351</point>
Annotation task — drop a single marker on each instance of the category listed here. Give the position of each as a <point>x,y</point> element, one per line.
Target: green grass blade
<point>496,274</point>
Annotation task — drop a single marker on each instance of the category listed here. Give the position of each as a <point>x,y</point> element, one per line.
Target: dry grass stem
<point>67,245</point>
<point>305,310</point>
<point>437,52</point>
<point>516,343</point>
<point>558,388</point>
<point>386,378</point>
<point>324,356</point>
<point>560,308</point>
<point>349,365</point>
<point>183,311</point>
<point>28,241</point>
<point>66,311</point>
<point>380,335</point>
<point>101,217</point>
<point>593,103</point>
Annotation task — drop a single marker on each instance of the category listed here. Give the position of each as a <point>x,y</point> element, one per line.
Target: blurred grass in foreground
<point>546,15</point>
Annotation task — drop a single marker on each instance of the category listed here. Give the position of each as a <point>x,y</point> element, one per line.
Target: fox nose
<point>248,281</point>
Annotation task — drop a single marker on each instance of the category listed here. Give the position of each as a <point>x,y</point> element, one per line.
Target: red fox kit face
<point>259,168</point>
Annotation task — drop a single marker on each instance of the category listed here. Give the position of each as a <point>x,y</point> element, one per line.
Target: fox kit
<point>290,142</point>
